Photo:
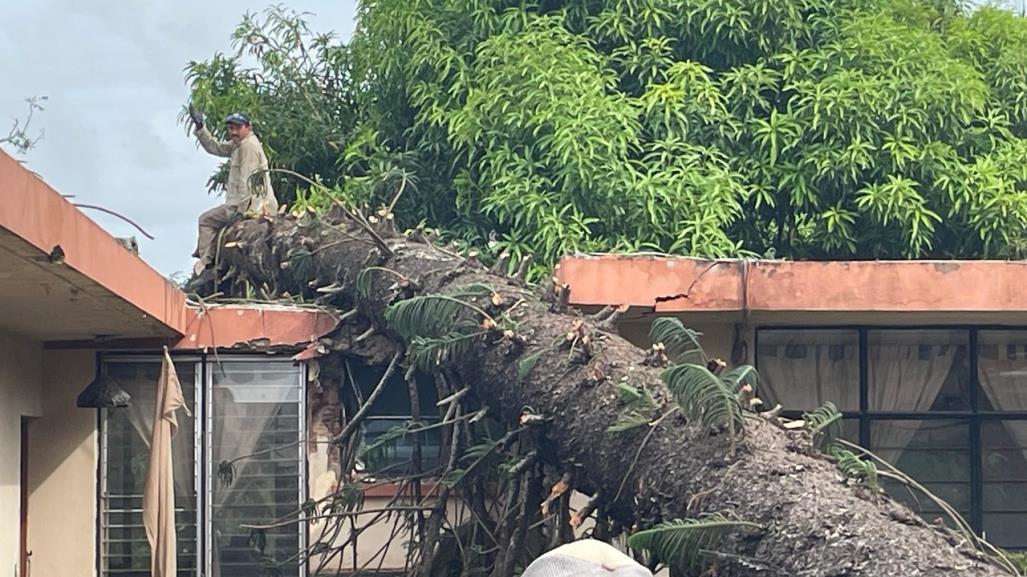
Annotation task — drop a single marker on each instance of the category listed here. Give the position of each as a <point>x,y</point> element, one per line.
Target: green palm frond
<point>364,282</point>
<point>640,406</point>
<point>825,424</point>
<point>375,453</point>
<point>635,397</point>
<point>863,471</point>
<point>682,343</point>
<point>629,420</point>
<point>679,544</point>
<point>428,354</point>
<point>474,290</point>
<point>474,456</point>
<point>349,497</point>
<point>301,263</point>
<point>526,364</point>
<point>704,398</point>
<point>429,316</point>
<point>740,376</point>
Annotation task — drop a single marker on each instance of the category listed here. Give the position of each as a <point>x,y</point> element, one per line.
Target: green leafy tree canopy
<point>806,128</point>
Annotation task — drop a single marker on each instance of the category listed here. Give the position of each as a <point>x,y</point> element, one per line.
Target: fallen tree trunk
<point>811,521</point>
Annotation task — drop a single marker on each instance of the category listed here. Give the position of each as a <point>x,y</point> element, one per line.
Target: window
<point>918,371</point>
<point>255,421</point>
<point>935,452</point>
<point>390,412</point>
<point>253,416</point>
<point>1004,464</point>
<point>946,405</point>
<point>805,369</point>
<point>1002,373</point>
<point>125,435</point>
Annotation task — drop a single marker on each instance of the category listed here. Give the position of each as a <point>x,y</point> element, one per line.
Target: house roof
<point>991,291</point>
<point>67,282</point>
<point>63,277</point>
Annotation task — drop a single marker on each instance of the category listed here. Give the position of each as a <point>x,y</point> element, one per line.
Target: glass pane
<point>1002,367</point>
<point>918,370</point>
<point>1004,472</point>
<point>394,401</point>
<point>850,430</point>
<point>934,452</point>
<point>1008,530</point>
<point>803,369</point>
<point>126,453</point>
<point>255,424</point>
<point>394,457</point>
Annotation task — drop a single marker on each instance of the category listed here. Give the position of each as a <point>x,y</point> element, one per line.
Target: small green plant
<point>704,398</point>
<point>682,343</point>
<point>825,426</point>
<point>639,408</point>
<point>707,397</point>
<point>680,543</point>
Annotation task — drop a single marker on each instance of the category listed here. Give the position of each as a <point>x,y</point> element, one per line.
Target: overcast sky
<point>112,71</point>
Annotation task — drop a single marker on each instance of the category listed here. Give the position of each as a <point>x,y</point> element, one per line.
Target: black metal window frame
<point>972,417</point>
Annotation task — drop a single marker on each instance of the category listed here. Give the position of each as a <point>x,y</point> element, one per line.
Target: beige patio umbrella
<point>159,491</point>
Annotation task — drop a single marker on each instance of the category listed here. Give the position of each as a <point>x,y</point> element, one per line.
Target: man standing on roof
<point>248,190</point>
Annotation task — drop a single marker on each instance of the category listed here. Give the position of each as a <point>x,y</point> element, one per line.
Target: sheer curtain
<point>803,369</point>
<point>1002,368</point>
<point>906,372</point>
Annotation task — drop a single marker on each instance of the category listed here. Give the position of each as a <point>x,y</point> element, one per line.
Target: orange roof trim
<point>227,327</point>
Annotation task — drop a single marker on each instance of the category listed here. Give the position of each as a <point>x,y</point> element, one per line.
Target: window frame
<point>973,416</point>
<point>202,468</point>
<point>199,393</point>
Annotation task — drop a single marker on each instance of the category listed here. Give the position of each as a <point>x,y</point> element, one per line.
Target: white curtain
<point>1003,375</point>
<point>904,377</point>
<point>804,370</point>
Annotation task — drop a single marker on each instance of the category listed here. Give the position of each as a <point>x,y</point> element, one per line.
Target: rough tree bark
<point>814,523</point>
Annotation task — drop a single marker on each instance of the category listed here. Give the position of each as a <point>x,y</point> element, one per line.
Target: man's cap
<point>237,118</point>
<point>585,558</point>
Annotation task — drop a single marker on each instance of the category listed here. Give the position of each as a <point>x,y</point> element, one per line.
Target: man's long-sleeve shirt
<point>244,191</point>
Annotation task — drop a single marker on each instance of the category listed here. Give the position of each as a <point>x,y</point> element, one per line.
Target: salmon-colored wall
<point>664,284</point>
<point>231,326</point>
<point>643,281</point>
<point>62,471</point>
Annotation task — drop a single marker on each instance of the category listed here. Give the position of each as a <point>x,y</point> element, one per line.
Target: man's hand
<point>196,116</point>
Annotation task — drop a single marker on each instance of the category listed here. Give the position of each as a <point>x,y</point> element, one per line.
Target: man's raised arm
<point>207,140</point>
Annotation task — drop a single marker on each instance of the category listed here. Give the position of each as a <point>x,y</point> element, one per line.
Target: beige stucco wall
<point>62,471</point>
<point>717,337</point>
<point>20,366</point>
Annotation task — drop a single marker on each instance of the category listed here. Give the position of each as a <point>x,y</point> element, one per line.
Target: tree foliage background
<point>797,128</point>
